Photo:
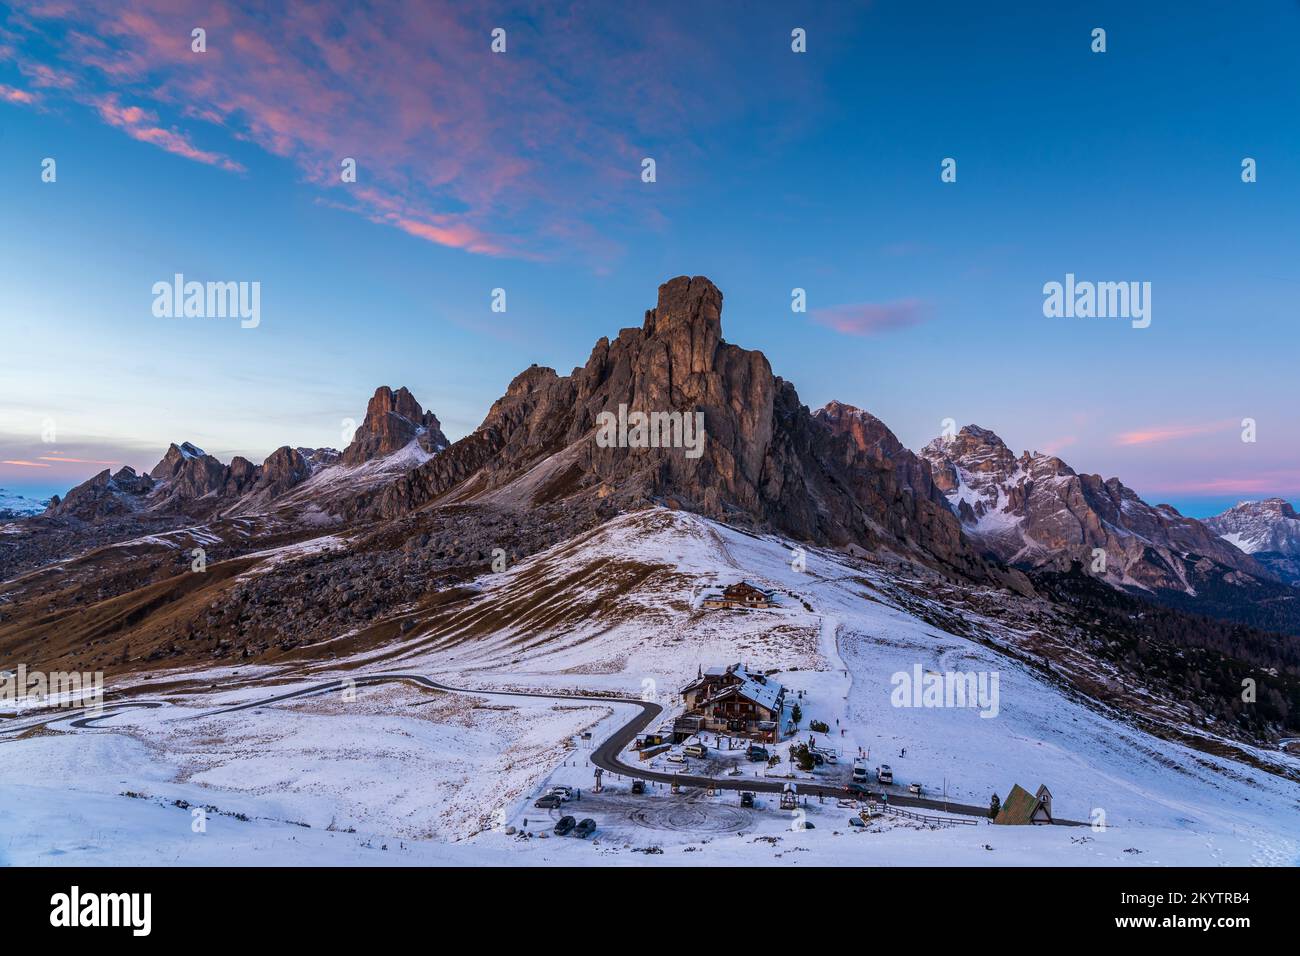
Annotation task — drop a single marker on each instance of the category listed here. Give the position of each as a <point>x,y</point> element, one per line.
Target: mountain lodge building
<point>732,700</point>
<point>741,594</point>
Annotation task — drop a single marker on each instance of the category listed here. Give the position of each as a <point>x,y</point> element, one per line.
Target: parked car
<point>564,793</point>
<point>585,829</point>
<point>695,750</point>
<point>915,788</point>
<point>548,802</point>
<point>638,786</point>
<point>675,758</point>
<point>756,752</point>
<point>884,774</point>
<point>858,788</point>
<point>565,825</point>
<point>746,798</point>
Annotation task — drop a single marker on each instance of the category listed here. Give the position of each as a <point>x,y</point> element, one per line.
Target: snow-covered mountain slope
<point>14,505</point>
<point>1268,530</point>
<point>619,611</point>
<point>1035,510</point>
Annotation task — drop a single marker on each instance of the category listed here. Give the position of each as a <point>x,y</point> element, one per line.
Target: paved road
<point>605,756</point>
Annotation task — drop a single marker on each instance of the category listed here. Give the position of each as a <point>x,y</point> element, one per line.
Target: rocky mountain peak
<point>867,432</point>
<point>175,459</point>
<point>1269,530</point>
<point>688,316</point>
<point>1269,506</point>
<point>1035,510</point>
<point>759,455</point>
<point>393,420</point>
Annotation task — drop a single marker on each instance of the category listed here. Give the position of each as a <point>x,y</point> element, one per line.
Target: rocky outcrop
<point>872,439</point>
<point>1034,510</point>
<point>282,470</point>
<point>104,496</point>
<point>188,473</point>
<point>393,420</point>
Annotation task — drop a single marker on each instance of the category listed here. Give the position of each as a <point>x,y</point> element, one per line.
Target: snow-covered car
<point>564,793</point>
<point>565,825</point>
<point>585,829</point>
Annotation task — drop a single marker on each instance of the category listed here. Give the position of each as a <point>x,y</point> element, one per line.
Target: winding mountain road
<point>605,756</point>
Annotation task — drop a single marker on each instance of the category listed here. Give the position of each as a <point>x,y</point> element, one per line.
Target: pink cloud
<point>24,464</point>
<point>872,318</point>
<point>1265,483</point>
<point>1147,436</point>
<point>11,94</point>
<point>1056,444</point>
<point>77,461</point>
<point>494,154</point>
<point>141,124</point>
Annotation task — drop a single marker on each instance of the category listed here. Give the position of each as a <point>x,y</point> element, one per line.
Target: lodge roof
<point>1020,806</point>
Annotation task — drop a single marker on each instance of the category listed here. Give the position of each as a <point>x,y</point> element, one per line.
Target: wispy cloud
<point>872,318</point>
<point>11,94</point>
<point>1164,433</point>
<point>79,461</point>
<point>1270,482</point>
<point>24,464</point>
<point>1057,444</point>
<point>142,124</point>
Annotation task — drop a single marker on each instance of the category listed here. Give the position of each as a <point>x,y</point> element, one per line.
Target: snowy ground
<point>438,777</point>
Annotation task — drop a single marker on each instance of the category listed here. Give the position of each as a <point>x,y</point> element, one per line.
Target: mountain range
<point>316,545</point>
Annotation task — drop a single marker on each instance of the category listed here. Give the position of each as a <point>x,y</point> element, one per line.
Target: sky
<point>774,170</point>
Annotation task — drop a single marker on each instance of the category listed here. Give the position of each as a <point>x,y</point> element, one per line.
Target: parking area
<point>623,816</point>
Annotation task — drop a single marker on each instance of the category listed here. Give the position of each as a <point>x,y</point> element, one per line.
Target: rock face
<point>284,468</point>
<point>871,438</point>
<point>1268,530</point>
<point>188,474</point>
<point>1036,511</point>
<point>764,458</point>
<point>393,420</point>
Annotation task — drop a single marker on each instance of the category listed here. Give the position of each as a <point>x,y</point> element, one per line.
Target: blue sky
<point>775,170</point>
